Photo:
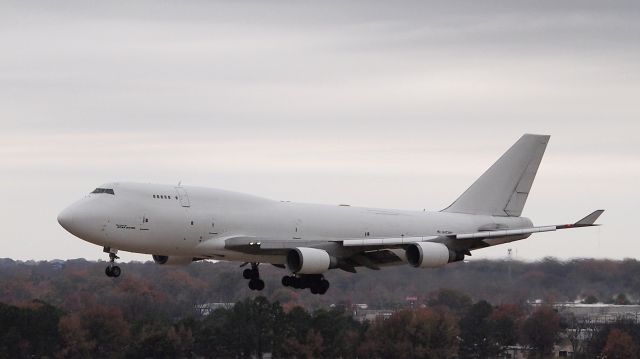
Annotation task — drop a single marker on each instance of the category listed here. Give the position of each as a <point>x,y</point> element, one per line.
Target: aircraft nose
<point>65,218</point>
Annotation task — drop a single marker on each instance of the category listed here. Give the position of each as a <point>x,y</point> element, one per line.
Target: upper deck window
<point>103,190</point>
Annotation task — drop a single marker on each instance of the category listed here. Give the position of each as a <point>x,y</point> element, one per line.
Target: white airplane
<point>181,224</point>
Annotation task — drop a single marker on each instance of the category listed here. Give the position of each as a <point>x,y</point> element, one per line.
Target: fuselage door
<point>183,197</point>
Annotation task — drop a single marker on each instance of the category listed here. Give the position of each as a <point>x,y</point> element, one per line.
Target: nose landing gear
<point>253,275</point>
<point>112,270</point>
<point>315,282</point>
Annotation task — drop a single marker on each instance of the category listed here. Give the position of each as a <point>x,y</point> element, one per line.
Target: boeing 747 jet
<point>182,224</point>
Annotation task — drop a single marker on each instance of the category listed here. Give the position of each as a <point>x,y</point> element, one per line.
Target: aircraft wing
<point>456,241</point>
<point>587,221</point>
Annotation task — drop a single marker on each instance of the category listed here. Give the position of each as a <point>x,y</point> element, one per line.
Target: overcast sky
<point>385,104</point>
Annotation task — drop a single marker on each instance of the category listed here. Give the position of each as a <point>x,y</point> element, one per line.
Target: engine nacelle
<point>172,260</point>
<point>431,255</point>
<point>310,261</point>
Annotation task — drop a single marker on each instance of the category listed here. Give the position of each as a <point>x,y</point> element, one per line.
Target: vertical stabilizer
<point>503,189</point>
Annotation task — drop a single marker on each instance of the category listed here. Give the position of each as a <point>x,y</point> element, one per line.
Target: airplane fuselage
<point>195,221</point>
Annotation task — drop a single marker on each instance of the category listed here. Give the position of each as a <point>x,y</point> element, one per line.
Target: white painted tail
<point>503,189</point>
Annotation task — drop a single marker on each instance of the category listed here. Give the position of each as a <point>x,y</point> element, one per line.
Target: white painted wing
<point>587,221</point>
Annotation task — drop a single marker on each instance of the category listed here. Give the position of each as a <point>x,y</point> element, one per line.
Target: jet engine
<point>172,260</point>
<point>310,261</point>
<point>431,255</point>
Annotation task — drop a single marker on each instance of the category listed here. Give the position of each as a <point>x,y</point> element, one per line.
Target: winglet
<point>590,219</point>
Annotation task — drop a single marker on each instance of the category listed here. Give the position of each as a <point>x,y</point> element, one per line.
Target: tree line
<point>150,287</point>
<point>465,310</point>
<point>450,327</point>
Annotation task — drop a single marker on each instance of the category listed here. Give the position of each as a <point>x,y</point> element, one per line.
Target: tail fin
<point>503,189</point>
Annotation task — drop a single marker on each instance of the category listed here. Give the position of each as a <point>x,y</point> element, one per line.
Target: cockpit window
<point>103,190</point>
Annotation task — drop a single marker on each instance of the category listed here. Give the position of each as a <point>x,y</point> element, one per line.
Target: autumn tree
<point>293,340</point>
<point>541,330</point>
<point>211,335</point>
<point>620,345</point>
<point>621,299</point>
<point>590,299</point>
<point>456,301</point>
<point>335,326</point>
<point>30,330</point>
<point>245,330</point>
<point>98,332</point>
<point>421,333</point>
<point>505,325</point>
<point>597,343</point>
<point>476,332</point>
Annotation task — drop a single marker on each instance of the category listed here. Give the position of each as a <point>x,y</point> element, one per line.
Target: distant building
<point>597,313</point>
<point>586,319</point>
<point>207,308</point>
<point>371,315</point>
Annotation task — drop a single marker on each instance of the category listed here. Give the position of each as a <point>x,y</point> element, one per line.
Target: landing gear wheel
<point>247,273</point>
<point>296,283</point>
<point>256,284</point>
<point>324,286</point>
<point>303,282</point>
<point>253,274</point>
<point>314,282</point>
<point>112,270</point>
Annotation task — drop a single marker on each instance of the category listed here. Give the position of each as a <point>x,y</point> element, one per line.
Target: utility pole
<point>509,263</point>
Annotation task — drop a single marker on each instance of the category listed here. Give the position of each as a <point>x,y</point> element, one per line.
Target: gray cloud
<point>397,105</point>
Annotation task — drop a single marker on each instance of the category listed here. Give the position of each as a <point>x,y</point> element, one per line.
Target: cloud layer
<point>399,105</point>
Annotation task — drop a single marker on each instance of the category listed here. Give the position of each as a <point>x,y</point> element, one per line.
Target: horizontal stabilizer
<point>590,219</point>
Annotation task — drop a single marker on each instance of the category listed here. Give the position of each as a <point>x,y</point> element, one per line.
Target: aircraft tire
<point>107,271</point>
<point>296,283</point>
<point>324,286</point>
<point>259,284</point>
<point>252,284</point>
<point>247,273</point>
<point>115,271</point>
<point>303,283</point>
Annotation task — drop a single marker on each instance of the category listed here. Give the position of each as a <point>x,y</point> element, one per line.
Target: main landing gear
<point>112,270</point>
<point>253,275</point>
<point>315,282</point>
